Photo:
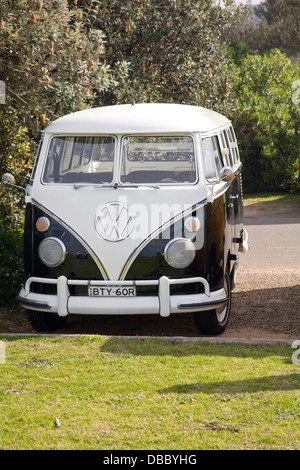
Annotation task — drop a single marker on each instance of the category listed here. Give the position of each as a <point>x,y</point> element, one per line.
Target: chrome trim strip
<point>203,304</point>
<point>32,303</point>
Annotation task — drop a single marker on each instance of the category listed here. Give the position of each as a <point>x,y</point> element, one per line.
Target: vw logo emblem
<point>114,221</point>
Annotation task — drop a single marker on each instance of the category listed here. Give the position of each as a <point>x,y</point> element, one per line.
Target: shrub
<point>11,264</point>
<point>267,120</point>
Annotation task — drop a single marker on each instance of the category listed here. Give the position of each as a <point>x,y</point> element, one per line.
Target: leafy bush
<point>267,121</point>
<point>175,50</point>
<point>52,63</point>
<point>11,264</point>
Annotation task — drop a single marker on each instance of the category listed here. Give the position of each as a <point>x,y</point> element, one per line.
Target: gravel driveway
<point>265,302</point>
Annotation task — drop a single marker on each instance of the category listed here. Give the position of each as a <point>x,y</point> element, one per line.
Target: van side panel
<point>217,238</point>
<point>238,203</point>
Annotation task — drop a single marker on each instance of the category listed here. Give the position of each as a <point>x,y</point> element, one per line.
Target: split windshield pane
<point>158,159</point>
<point>80,160</point>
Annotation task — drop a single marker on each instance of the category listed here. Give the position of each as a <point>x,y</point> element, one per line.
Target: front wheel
<point>45,321</point>
<point>214,322</point>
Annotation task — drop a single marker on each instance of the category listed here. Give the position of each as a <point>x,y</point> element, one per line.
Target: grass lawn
<point>273,200</point>
<point>94,392</point>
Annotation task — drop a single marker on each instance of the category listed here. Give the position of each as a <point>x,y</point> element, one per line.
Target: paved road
<point>266,300</point>
<point>274,239</point>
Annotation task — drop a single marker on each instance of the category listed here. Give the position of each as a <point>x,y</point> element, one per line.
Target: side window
<point>227,149</point>
<point>217,153</point>
<point>224,150</point>
<point>233,145</point>
<point>213,161</point>
<point>36,159</point>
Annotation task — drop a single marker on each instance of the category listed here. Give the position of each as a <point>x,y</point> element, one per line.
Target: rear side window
<point>229,147</point>
<point>226,149</point>
<point>80,160</point>
<point>233,145</point>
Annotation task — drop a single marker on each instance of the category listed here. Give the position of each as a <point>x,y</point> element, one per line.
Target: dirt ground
<point>265,304</point>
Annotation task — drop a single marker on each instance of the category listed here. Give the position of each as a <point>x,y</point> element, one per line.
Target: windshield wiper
<point>84,185</point>
<point>136,186</point>
<point>113,186</point>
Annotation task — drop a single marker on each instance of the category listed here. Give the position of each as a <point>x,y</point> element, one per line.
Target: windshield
<point>162,159</point>
<point>80,160</point>
<point>144,160</point>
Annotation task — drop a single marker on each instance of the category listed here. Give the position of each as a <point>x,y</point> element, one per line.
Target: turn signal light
<point>42,224</point>
<point>192,224</point>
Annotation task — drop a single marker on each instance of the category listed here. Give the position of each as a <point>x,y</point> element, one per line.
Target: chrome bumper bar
<point>163,304</point>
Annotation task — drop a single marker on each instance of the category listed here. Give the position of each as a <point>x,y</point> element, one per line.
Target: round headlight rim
<point>175,240</point>
<point>62,258</point>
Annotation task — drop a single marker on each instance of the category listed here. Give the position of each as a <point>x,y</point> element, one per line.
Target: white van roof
<point>139,119</point>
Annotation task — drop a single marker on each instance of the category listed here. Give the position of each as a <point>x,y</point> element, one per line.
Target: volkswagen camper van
<point>134,209</point>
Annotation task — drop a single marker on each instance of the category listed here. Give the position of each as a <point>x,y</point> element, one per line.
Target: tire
<point>214,322</point>
<point>45,321</point>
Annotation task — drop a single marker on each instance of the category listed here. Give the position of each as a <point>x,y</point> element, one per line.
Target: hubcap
<point>222,311</point>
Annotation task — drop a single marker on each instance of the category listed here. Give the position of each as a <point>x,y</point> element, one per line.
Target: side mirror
<point>226,174</point>
<point>9,181</point>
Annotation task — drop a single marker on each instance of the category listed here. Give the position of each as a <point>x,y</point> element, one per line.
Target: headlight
<point>180,252</point>
<point>52,252</point>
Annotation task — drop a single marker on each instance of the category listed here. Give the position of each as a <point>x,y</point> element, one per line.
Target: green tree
<point>269,25</point>
<point>52,63</point>
<point>282,19</point>
<point>267,119</point>
<point>176,49</point>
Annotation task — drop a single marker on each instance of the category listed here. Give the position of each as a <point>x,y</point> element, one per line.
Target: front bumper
<point>63,303</point>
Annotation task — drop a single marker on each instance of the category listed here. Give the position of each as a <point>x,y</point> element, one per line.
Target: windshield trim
<point>117,162</point>
<point>72,135</point>
<point>159,184</point>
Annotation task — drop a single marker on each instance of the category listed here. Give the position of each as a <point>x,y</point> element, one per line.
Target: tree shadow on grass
<point>160,347</point>
<point>261,384</point>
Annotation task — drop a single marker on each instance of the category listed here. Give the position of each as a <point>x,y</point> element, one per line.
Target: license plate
<point>113,291</point>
